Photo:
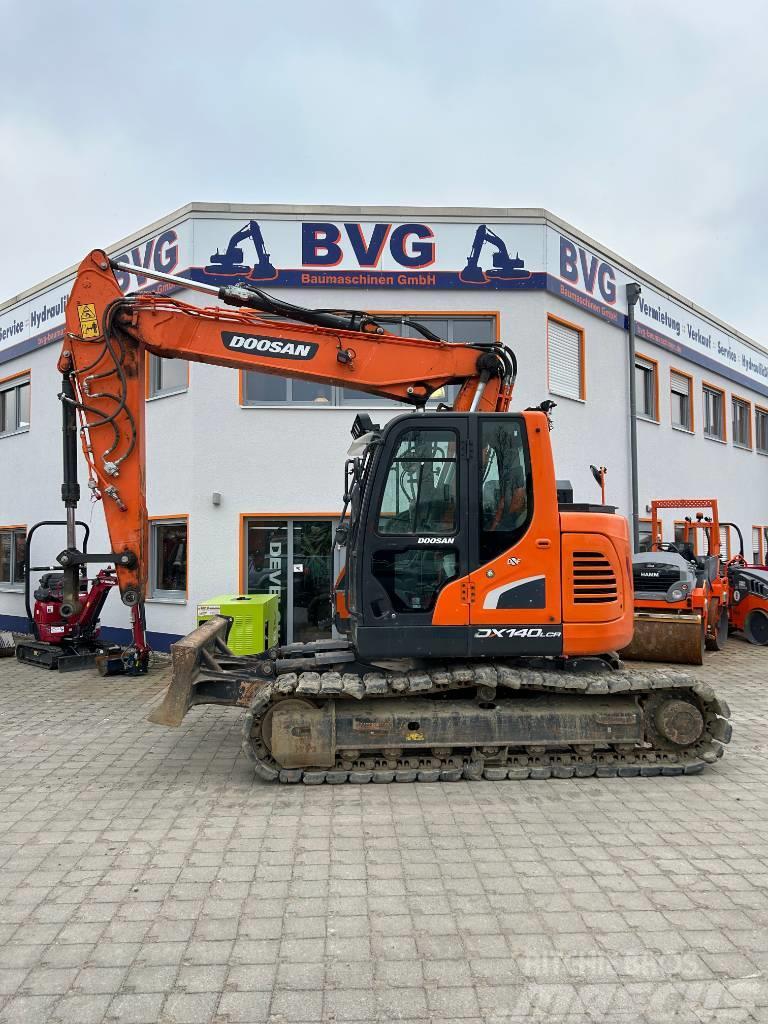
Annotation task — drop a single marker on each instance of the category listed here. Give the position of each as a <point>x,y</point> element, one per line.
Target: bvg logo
<point>410,245</point>
<point>161,253</point>
<point>587,271</point>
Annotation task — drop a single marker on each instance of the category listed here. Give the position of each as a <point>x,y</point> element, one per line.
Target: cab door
<point>515,577</point>
<point>416,540</point>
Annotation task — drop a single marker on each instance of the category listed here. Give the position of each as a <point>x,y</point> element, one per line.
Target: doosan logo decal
<point>435,540</point>
<point>258,343</point>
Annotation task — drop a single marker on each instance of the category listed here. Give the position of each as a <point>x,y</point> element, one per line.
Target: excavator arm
<point>103,369</point>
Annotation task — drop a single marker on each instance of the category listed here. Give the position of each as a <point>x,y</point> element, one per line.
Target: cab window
<point>420,492</point>
<point>506,493</point>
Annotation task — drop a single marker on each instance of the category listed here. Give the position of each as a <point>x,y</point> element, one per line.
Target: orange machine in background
<point>744,587</point>
<point>687,601</point>
<point>681,598</point>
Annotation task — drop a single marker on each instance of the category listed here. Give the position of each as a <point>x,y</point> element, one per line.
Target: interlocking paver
<point>142,1008</point>
<point>27,1009</point>
<point>250,978</point>
<point>250,1007</point>
<point>81,1009</point>
<point>145,876</point>
<point>187,1008</point>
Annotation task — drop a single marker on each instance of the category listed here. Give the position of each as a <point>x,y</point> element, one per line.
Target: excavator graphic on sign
<point>504,267</point>
<point>230,263</point>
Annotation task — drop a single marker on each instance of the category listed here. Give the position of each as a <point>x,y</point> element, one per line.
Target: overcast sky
<point>643,124</point>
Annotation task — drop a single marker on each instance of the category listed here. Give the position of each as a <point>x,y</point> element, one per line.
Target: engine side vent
<point>594,581</point>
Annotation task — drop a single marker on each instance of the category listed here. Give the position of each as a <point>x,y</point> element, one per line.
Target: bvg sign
<point>325,245</point>
<point>587,271</point>
<point>161,253</point>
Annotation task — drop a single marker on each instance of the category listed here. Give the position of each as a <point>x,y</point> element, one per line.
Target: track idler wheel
<point>677,723</point>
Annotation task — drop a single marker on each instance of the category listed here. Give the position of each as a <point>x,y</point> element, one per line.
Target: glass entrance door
<point>311,569</point>
<point>294,558</point>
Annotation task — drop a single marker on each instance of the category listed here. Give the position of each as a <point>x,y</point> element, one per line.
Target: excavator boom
<point>103,359</point>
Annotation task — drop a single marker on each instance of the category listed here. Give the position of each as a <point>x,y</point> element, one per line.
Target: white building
<point>261,516</point>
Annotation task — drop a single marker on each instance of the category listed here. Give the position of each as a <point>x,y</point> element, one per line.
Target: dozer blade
<point>662,637</point>
<point>195,651</point>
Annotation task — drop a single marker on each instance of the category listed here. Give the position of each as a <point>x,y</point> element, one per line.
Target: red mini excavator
<point>63,641</point>
<point>480,608</point>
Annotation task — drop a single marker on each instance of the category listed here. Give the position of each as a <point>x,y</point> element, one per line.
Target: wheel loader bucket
<point>195,651</point>
<point>663,637</point>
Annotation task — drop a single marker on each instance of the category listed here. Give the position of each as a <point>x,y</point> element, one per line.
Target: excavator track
<point>667,705</point>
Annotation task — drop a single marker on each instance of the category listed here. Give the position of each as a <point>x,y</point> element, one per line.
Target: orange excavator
<point>480,609</point>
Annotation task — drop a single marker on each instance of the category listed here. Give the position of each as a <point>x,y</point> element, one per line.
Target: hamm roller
<point>681,597</point>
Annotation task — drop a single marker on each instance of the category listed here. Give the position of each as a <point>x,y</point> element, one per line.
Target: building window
<point>565,359</point>
<point>760,545</point>
<point>168,559</point>
<point>296,560</point>
<point>725,543</point>
<point>12,542</point>
<point>14,404</point>
<point>741,422</point>
<point>268,389</point>
<point>761,429</point>
<point>681,400</point>
<point>166,376</point>
<point>647,387</point>
<point>714,421</point>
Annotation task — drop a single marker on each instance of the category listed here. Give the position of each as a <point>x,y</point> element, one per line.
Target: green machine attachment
<point>256,620</point>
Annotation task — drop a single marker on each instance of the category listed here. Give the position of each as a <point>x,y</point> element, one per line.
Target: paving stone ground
<point>146,876</point>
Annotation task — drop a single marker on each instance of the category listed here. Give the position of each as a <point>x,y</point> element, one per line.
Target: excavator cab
<point>453,536</point>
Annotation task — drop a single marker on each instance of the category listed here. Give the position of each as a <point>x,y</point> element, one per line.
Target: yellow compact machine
<point>256,620</point>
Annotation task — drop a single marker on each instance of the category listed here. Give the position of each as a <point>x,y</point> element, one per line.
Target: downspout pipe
<point>633,294</point>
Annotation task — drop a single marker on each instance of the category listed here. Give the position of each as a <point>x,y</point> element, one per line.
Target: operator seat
<point>686,550</point>
<point>707,568</point>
